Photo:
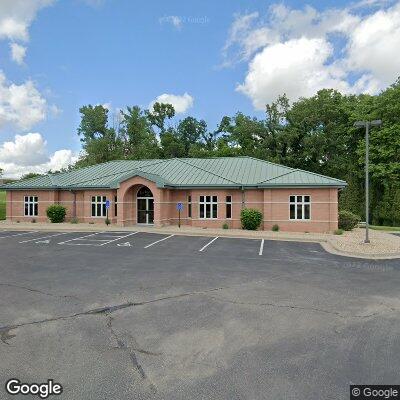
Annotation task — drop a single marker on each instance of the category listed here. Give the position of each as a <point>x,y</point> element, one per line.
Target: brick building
<point>212,190</point>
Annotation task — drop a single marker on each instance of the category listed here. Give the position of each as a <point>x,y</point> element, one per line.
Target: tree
<point>158,115</point>
<point>100,143</point>
<point>1,171</point>
<point>138,138</point>
<point>30,175</point>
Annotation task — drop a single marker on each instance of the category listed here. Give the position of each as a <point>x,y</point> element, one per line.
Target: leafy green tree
<point>171,146</point>
<point>159,114</point>
<point>100,143</point>
<point>138,138</point>
<point>1,171</point>
<point>30,175</point>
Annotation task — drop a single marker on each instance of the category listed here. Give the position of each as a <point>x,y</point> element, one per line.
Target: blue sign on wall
<point>107,204</point>
<point>179,206</point>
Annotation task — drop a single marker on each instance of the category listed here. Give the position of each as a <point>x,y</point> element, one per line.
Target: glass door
<point>145,211</point>
<point>150,211</point>
<point>142,211</point>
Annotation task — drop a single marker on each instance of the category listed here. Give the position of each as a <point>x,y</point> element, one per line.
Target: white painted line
<point>158,241</point>
<point>81,237</point>
<point>213,240</point>
<point>118,238</point>
<point>19,234</point>
<point>261,247</point>
<point>44,237</point>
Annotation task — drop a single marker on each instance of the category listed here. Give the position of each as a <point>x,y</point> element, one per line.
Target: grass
<point>385,228</point>
<point>2,204</point>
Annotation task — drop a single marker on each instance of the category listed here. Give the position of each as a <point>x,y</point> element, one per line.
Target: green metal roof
<point>235,172</point>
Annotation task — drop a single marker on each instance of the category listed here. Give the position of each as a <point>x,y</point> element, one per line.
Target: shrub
<point>275,228</point>
<point>56,213</point>
<point>225,226</point>
<point>348,220</point>
<point>338,232</point>
<point>33,221</point>
<point>107,221</point>
<point>251,218</point>
<point>74,220</point>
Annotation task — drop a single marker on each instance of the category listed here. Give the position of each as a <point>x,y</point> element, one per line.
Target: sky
<point>208,58</point>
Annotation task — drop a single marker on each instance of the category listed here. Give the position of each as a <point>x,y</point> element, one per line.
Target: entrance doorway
<point>145,206</point>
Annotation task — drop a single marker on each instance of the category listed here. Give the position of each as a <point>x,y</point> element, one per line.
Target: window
<point>31,206</point>
<point>208,207</point>
<point>99,206</point>
<point>144,192</point>
<point>300,207</point>
<point>115,206</point>
<point>189,201</point>
<point>228,202</point>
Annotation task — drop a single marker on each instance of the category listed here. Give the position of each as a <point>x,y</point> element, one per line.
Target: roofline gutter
<point>238,187</point>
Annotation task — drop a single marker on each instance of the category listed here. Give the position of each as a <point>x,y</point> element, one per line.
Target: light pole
<point>367,125</point>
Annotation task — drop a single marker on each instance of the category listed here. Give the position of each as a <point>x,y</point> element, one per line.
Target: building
<point>212,190</point>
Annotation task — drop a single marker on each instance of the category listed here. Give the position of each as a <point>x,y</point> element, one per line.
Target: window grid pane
<point>31,206</point>
<point>300,207</point>
<point>208,207</point>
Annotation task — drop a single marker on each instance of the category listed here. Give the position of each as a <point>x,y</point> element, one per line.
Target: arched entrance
<point>145,206</point>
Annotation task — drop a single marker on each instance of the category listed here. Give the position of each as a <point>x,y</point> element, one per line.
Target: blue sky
<point>225,55</point>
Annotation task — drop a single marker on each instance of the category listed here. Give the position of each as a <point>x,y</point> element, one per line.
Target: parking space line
<point>81,237</point>
<point>158,241</point>
<point>211,241</point>
<point>19,234</point>
<point>261,247</point>
<point>118,238</point>
<point>43,237</point>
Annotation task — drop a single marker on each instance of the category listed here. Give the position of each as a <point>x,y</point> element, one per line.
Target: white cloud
<point>16,17</point>
<point>374,45</point>
<point>28,153</point>
<point>20,105</point>
<point>173,20</point>
<point>294,67</point>
<point>299,51</point>
<point>181,103</point>
<point>18,53</point>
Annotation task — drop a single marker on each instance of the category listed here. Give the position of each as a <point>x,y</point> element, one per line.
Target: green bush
<point>338,232</point>
<point>107,221</point>
<point>275,228</point>
<point>56,213</point>
<point>251,219</point>
<point>225,226</point>
<point>348,220</point>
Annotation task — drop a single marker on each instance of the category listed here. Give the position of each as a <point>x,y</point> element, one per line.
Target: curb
<point>330,248</point>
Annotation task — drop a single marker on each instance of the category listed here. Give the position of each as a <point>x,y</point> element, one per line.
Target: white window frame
<point>296,203</point>
<point>96,202</point>
<point>31,202</point>
<point>226,206</point>
<point>203,204</point>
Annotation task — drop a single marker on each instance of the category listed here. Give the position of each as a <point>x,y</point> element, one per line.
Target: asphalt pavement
<point>124,315</point>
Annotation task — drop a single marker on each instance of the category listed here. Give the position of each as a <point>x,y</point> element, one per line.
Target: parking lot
<point>128,315</point>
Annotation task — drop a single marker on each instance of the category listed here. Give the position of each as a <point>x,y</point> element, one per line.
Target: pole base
<point>367,241</point>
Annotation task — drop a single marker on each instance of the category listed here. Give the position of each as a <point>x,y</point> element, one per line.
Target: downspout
<point>243,198</point>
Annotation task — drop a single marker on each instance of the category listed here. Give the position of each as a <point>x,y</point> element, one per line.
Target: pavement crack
<point>122,345</point>
<point>295,307</point>
<point>107,309</point>
<point>13,285</point>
